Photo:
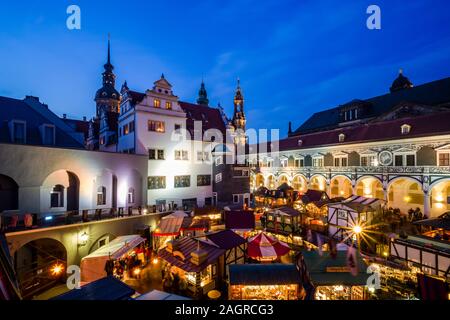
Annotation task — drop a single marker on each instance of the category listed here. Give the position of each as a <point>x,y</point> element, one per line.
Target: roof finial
<point>109,48</point>
<point>400,71</point>
<point>238,82</point>
<point>162,75</point>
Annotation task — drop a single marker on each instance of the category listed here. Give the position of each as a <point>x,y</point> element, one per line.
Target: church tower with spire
<point>107,97</point>
<point>238,119</point>
<point>103,129</point>
<point>202,95</point>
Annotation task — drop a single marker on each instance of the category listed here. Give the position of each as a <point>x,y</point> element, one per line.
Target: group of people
<point>127,265</point>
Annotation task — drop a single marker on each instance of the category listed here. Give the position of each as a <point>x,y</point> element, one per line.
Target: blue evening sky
<point>293,57</point>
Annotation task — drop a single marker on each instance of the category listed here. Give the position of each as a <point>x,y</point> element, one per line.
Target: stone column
<point>426,205</point>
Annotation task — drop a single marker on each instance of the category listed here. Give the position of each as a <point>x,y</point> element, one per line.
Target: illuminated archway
<point>270,183</point>
<point>439,198</point>
<point>341,186</point>
<point>40,265</point>
<point>318,182</point>
<point>259,181</point>
<point>299,183</point>
<point>282,179</point>
<point>405,193</point>
<point>369,187</point>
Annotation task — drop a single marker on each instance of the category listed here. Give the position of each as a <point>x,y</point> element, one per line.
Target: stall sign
<point>342,214</point>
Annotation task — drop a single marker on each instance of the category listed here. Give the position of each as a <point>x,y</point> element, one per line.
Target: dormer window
<point>48,134</point>
<point>341,137</point>
<point>406,128</point>
<point>156,103</point>
<point>18,131</point>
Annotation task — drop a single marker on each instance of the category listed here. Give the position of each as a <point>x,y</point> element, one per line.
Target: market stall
<point>263,282</point>
<point>353,211</point>
<point>331,277</point>
<point>119,257</point>
<point>263,247</point>
<point>284,221</point>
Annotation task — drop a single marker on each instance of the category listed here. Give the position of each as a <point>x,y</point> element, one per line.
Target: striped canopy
<point>265,247</point>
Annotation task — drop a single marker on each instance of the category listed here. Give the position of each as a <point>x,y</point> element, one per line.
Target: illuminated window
<point>101,196</point>
<point>318,162</point>
<point>156,126</point>
<point>156,103</point>
<point>181,155</point>
<point>202,156</point>
<point>406,128</point>
<point>203,180</point>
<point>369,161</point>
<point>168,105</point>
<point>126,130</point>
<point>155,154</point>
<point>182,181</point>
<point>157,182</point>
<point>130,195</point>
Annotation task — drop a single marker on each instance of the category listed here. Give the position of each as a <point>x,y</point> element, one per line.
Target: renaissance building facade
<point>394,147</point>
<point>140,149</point>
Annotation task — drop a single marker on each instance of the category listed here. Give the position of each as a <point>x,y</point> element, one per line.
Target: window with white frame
<point>405,129</point>
<point>318,161</point>
<point>443,158</point>
<point>341,161</point>
<point>369,160</point>
<point>181,155</point>
<point>299,162</point>
<point>283,162</point>
<point>101,196</point>
<point>270,163</point>
<point>218,161</point>
<point>202,156</point>
<point>404,159</point>
<point>218,177</point>
<point>130,195</point>
<point>57,197</point>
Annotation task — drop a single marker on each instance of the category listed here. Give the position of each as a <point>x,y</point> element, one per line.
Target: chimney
<point>84,118</point>
<point>199,256</point>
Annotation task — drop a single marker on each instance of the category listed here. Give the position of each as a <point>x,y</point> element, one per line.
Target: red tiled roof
<point>435,123</point>
<point>211,117</point>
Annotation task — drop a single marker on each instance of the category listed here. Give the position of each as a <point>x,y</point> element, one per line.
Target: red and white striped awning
<point>263,246</point>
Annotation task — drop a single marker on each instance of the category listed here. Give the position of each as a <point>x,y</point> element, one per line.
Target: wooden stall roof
<point>263,274</point>
<point>320,266</point>
<point>184,248</point>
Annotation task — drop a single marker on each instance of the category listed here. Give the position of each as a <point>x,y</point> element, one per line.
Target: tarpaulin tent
<point>265,247</point>
<point>93,265</point>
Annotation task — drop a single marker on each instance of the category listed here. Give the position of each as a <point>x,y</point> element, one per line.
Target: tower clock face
<point>385,158</point>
